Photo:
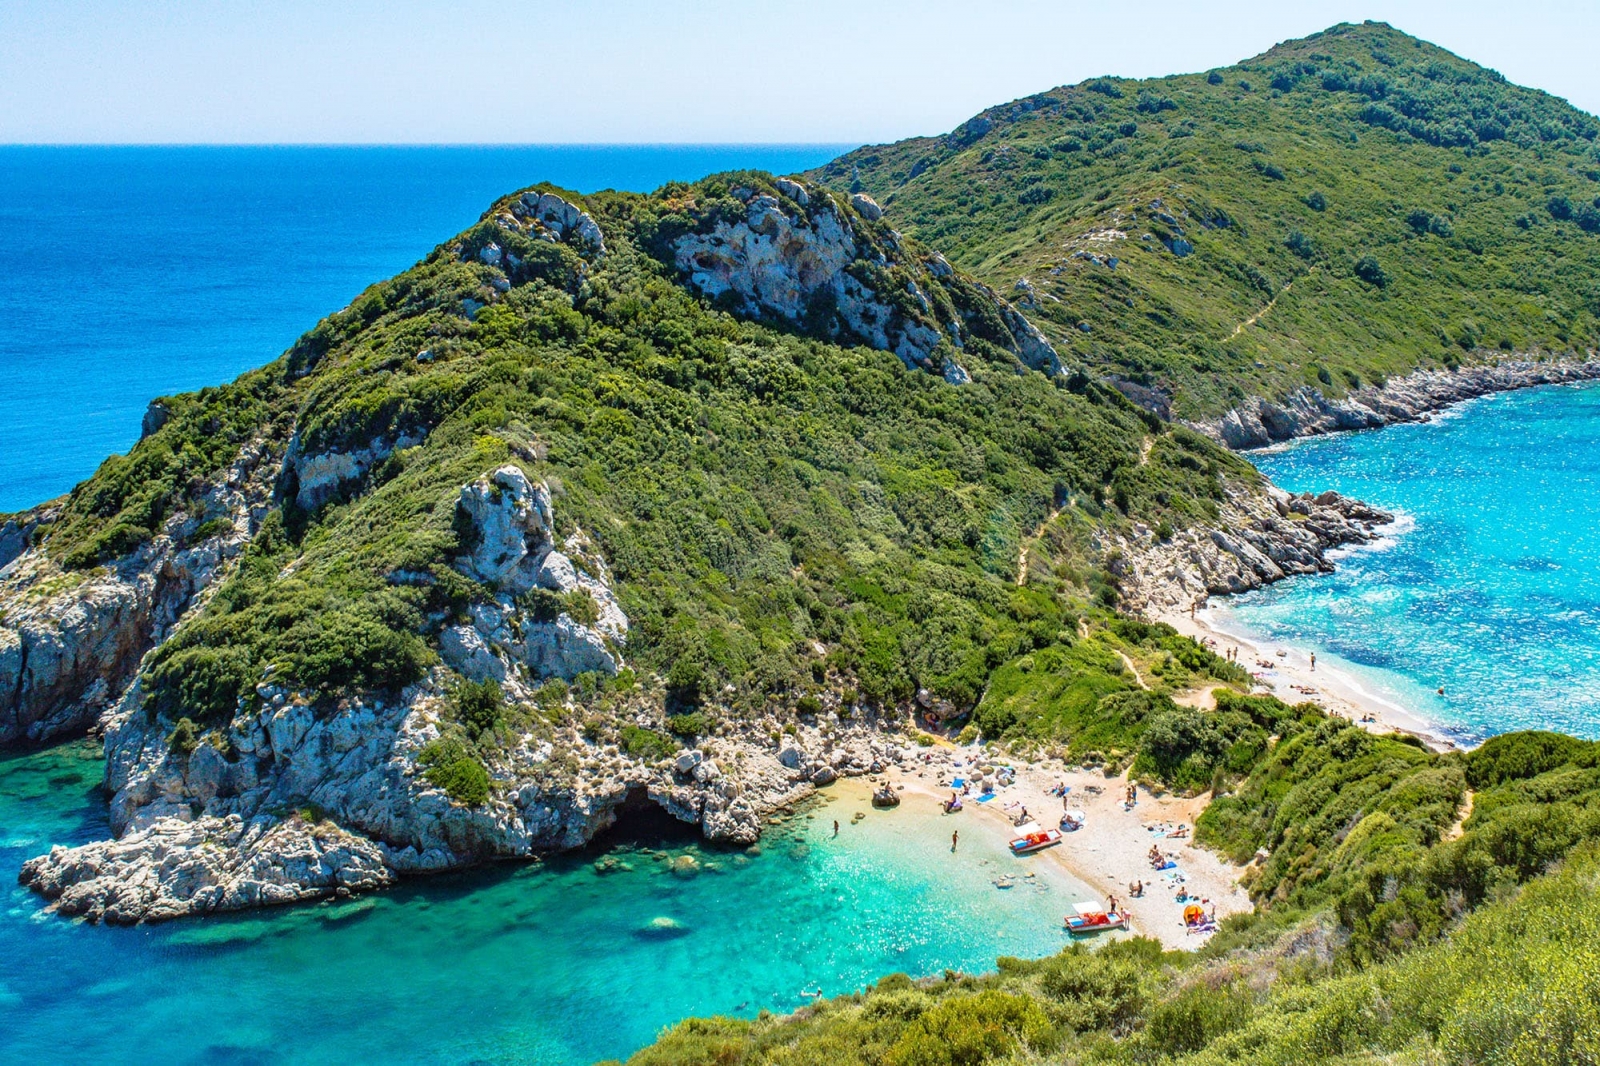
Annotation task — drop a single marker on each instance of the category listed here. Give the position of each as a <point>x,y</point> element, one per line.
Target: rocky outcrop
<point>177,868</point>
<point>798,255</point>
<point>320,476</point>
<point>1307,412</point>
<point>1264,535</point>
<point>71,641</point>
<point>554,613</point>
<point>292,802</point>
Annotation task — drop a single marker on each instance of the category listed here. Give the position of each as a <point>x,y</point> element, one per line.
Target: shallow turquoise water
<point>549,964</point>
<point>1492,589</point>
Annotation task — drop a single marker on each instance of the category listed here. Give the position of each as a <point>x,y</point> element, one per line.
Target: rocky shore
<point>1264,535</point>
<point>1307,412</point>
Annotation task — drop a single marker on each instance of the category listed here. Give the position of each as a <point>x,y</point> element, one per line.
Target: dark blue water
<point>127,273</point>
<point>1492,589</point>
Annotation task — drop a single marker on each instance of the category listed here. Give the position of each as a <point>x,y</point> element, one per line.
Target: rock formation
<point>1306,412</point>
<point>1264,535</point>
<point>802,256</point>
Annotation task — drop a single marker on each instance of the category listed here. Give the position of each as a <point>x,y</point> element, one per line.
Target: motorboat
<point>1033,837</point>
<point>1092,917</point>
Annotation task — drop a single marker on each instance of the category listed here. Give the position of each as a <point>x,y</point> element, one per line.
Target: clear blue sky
<point>661,70</point>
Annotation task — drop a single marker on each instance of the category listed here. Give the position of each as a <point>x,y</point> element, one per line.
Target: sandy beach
<point>1286,672</point>
<point>1106,856</point>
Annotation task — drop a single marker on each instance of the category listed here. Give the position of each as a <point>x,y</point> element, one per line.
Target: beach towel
<point>986,797</point>
<point>958,782</point>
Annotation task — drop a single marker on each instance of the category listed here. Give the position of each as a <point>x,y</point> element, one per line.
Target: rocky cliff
<point>1307,412</point>
<point>1264,535</point>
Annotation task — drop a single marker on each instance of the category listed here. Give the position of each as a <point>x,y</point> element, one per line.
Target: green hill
<point>1334,211</point>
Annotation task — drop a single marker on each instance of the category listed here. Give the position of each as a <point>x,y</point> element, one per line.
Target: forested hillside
<point>1337,210</point>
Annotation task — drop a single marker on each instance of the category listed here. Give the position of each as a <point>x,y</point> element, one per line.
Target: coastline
<point>1291,677</point>
<point>1414,397</point>
<point>1105,856</point>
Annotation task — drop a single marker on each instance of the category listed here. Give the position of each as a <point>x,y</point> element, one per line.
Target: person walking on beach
<point>836,827</point>
<point>954,837</point>
<point>1313,660</point>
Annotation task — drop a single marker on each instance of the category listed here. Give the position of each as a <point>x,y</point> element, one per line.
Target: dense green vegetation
<point>759,493</point>
<point>1385,931</point>
<point>1379,203</point>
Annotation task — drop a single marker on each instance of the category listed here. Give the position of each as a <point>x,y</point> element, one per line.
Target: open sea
<point>1489,589</point>
<point>126,273</point>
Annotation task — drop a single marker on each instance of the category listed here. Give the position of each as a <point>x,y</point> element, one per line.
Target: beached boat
<point>1094,918</point>
<point>1033,837</point>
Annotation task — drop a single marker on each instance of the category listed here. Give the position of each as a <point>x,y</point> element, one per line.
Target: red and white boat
<point>1094,918</point>
<point>1034,837</point>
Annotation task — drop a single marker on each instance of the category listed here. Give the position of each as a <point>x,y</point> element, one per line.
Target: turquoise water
<point>127,273</point>
<point>1492,588</point>
<point>548,964</point>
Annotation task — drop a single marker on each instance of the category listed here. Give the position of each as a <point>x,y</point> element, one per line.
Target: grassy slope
<point>1346,961</point>
<point>1235,159</point>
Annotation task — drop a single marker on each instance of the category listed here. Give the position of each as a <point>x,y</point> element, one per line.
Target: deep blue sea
<point>127,273</point>
<point>1491,587</point>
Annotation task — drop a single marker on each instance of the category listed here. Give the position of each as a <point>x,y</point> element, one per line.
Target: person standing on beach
<point>836,827</point>
<point>1313,660</point>
<point>953,838</point>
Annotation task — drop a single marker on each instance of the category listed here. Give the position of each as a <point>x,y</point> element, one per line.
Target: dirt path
<point>1027,545</point>
<point>1132,669</point>
<point>1253,319</point>
<point>1455,831</point>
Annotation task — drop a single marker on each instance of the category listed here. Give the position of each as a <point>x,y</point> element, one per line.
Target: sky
<point>657,71</point>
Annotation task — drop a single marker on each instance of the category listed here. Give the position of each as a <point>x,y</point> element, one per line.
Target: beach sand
<point>1291,678</point>
<point>1105,856</point>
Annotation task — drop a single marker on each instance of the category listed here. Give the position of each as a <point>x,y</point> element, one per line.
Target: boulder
<point>866,206</point>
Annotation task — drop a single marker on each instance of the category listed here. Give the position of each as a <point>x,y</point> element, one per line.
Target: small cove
<point>551,963</point>
<point>1490,585</point>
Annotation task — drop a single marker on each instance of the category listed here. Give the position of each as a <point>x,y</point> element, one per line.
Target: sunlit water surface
<point>1492,588</point>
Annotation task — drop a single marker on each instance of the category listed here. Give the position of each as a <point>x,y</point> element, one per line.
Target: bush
<point>449,764</point>
<point>184,738</point>
<point>479,706</point>
<point>688,725</point>
<point>970,1030</point>
<point>1370,271</point>
<point>646,744</point>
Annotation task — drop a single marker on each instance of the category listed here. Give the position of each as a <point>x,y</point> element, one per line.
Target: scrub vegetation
<point>1333,212</point>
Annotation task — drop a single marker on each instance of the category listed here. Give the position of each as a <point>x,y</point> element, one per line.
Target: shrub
<point>970,1030</point>
<point>1370,271</point>
<point>184,738</point>
<point>688,725</point>
<point>646,744</point>
<point>449,764</point>
<point>1317,202</point>
<point>479,706</point>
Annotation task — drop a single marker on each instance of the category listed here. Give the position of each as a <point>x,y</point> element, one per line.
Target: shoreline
<point>1289,674</point>
<point>1106,855</point>
<point>1415,397</point>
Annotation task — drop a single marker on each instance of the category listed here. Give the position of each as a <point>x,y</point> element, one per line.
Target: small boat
<point>1034,837</point>
<point>1073,820</point>
<point>1092,917</point>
